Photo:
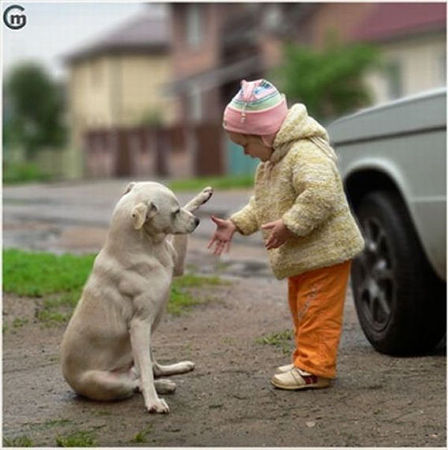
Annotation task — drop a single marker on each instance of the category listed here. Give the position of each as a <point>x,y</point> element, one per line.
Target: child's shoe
<point>283,369</point>
<point>296,378</point>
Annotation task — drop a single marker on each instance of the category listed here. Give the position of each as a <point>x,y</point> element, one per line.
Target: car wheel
<point>400,303</point>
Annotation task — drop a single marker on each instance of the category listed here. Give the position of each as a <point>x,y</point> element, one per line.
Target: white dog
<point>106,349</point>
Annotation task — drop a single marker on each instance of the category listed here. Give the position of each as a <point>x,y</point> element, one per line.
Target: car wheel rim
<point>374,272</point>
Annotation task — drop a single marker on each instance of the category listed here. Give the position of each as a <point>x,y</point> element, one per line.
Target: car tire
<point>401,304</point>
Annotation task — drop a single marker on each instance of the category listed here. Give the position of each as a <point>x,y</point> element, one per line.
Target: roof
<point>216,76</point>
<point>392,20</point>
<point>145,33</point>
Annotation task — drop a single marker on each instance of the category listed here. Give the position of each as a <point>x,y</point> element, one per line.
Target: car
<point>392,159</point>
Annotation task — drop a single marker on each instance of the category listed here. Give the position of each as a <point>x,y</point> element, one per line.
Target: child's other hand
<point>279,234</point>
<point>223,235</point>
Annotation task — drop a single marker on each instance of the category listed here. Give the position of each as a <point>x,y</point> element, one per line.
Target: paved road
<point>90,204</point>
<point>74,217</point>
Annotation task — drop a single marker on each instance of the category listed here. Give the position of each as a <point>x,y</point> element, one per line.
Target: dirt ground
<point>227,400</point>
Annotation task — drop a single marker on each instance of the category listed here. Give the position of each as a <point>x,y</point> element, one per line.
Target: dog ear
<point>129,187</point>
<point>143,212</point>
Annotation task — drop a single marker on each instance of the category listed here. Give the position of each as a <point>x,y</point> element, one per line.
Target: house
<point>412,39</point>
<point>115,83</point>
<point>215,45</point>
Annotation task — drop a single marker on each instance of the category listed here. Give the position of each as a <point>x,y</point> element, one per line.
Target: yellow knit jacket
<point>301,184</point>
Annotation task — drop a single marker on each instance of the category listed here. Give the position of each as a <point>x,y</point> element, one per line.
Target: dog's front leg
<point>200,199</point>
<point>180,242</point>
<point>141,342</point>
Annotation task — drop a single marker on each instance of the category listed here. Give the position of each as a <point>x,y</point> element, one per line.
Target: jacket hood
<point>299,125</point>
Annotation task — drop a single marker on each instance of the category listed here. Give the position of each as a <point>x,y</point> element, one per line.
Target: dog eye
<point>176,212</point>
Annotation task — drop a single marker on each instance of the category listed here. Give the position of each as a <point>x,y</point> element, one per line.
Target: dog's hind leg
<point>161,370</point>
<point>105,386</point>
<point>172,369</point>
<point>162,385</point>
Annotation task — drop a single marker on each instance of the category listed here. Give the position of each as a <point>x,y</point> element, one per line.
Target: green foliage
<point>18,322</point>
<point>226,182</point>
<point>59,309</point>
<point>77,439</point>
<point>37,274</point>
<point>20,441</point>
<point>280,340</point>
<point>56,422</point>
<point>329,82</point>
<point>151,118</point>
<point>140,437</point>
<point>181,300</point>
<point>22,173</point>
<point>33,109</point>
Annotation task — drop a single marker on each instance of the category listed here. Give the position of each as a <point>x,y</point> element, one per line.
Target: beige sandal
<point>299,379</point>
<point>283,369</point>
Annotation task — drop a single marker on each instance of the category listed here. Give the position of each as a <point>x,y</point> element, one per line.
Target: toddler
<point>308,230</point>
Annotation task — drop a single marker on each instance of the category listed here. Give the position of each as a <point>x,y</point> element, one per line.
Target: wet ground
<point>227,400</point>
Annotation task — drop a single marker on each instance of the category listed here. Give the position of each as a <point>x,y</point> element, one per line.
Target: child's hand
<point>279,233</point>
<point>223,235</point>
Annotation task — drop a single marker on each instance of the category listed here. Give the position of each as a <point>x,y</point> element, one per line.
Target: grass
<point>282,340</point>
<point>36,274</point>
<point>76,439</point>
<point>181,300</point>
<point>140,437</point>
<point>222,183</point>
<point>58,422</point>
<point>60,280</point>
<point>20,441</point>
<point>23,173</point>
<point>18,323</point>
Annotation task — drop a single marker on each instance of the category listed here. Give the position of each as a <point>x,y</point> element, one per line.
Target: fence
<point>176,151</point>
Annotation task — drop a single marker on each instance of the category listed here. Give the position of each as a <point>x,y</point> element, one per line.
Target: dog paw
<point>164,386</point>
<point>187,366</point>
<point>206,194</point>
<point>158,406</point>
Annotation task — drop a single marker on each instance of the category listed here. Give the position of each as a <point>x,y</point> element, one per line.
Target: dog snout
<point>196,221</point>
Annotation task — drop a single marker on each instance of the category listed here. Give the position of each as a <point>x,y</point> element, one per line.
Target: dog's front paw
<point>158,406</point>
<point>206,194</point>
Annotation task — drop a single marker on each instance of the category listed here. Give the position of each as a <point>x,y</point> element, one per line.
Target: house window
<point>394,80</point>
<point>194,29</point>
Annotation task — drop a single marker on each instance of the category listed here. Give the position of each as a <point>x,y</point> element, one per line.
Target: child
<point>308,230</point>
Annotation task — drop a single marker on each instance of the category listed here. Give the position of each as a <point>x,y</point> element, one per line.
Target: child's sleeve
<point>314,177</point>
<point>245,219</point>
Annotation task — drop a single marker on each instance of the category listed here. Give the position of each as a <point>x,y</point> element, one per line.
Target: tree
<point>329,82</point>
<point>34,107</point>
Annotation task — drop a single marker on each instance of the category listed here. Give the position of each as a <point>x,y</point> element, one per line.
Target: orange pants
<point>316,300</point>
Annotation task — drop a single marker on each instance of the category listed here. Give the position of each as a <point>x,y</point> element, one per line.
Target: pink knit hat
<point>257,109</point>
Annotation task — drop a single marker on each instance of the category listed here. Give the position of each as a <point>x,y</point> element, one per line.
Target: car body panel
<point>406,141</point>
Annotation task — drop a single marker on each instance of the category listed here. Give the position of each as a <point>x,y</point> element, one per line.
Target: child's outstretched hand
<point>279,234</point>
<point>223,235</point>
